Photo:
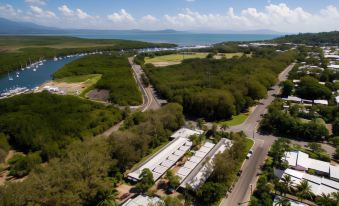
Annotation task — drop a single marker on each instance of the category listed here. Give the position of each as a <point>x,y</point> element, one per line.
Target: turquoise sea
<point>182,39</point>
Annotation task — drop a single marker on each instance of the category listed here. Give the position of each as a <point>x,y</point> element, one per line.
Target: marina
<point>28,78</point>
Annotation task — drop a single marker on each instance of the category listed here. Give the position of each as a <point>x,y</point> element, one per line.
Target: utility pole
<point>251,189</point>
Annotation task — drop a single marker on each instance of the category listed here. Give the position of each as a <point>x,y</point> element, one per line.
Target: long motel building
<point>168,156</point>
<point>200,166</point>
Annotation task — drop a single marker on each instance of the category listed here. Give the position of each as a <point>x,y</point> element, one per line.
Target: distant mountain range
<point>8,27</point>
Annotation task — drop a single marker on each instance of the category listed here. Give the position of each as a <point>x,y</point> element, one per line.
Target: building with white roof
<point>143,200</point>
<point>334,173</point>
<point>321,101</point>
<point>337,99</point>
<point>186,133</point>
<point>197,175</point>
<point>293,203</point>
<point>293,99</point>
<point>164,159</point>
<point>319,185</point>
<point>333,66</point>
<point>300,161</point>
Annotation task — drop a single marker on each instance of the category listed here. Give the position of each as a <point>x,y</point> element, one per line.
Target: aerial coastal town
<point>173,110</point>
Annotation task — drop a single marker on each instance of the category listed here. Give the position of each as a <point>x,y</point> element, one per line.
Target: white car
<point>250,153</point>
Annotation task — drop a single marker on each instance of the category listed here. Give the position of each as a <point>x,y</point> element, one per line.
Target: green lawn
<point>90,78</point>
<point>236,120</point>
<point>174,57</point>
<point>228,55</point>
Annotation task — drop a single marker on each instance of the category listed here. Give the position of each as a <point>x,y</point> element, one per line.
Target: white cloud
<point>36,2</point>
<point>121,17</point>
<point>274,16</point>
<point>149,19</point>
<point>8,11</point>
<point>38,12</point>
<point>67,12</point>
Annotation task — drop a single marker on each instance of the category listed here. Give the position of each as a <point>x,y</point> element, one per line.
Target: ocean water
<point>182,39</point>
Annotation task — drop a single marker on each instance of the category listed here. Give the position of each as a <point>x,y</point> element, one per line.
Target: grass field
<point>173,59</point>
<point>236,120</point>
<point>228,55</point>
<point>90,78</point>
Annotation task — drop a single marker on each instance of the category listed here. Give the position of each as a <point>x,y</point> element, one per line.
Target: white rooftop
<point>143,200</point>
<point>293,203</point>
<point>300,159</point>
<point>321,101</point>
<point>293,98</point>
<point>186,133</point>
<point>318,185</point>
<point>333,66</point>
<point>164,159</point>
<point>337,99</point>
<point>334,172</point>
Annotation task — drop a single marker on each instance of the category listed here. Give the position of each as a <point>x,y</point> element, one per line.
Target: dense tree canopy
<point>331,38</point>
<point>218,89</point>
<point>47,122</point>
<point>143,132</point>
<point>310,88</point>
<point>116,73</point>
<point>283,123</point>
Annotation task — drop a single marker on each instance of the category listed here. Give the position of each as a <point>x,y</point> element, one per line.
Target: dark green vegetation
<point>20,50</point>
<point>331,38</point>
<point>226,166</point>
<point>90,169</point>
<point>48,123</point>
<point>116,77</point>
<point>143,132</point>
<point>288,123</point>
<point>218,89</point>
<point>269,185</point>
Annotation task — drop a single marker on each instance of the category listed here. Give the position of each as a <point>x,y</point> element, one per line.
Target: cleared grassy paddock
<point>176,58</point>
<point>90,78</point>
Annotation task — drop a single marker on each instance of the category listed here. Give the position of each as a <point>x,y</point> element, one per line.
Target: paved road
<point>241,192</point>
<point>150,100</point>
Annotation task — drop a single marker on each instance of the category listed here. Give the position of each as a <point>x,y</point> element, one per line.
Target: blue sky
<point>200,15</point>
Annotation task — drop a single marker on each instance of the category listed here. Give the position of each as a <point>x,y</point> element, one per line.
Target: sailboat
<point>9,77</point>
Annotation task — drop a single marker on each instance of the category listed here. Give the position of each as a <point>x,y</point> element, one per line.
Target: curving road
<point>241,192</point>
<point>150,100</point>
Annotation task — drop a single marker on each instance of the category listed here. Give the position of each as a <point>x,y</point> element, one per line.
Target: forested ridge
<point>217,89</point>
<point>47,123</point>
<point>116,77</point>
<point>311,38</point>
<point>89,170</point>
<point>17,51</point>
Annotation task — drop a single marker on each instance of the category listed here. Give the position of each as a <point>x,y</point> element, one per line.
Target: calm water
<point>182,39</point>
<point>29,78</point>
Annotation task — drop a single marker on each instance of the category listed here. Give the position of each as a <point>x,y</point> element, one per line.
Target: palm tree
<point>304,190</point>
<point>108,199</point>
<point>324,200</point>
<point>282,202</point>
<point>287,184</point>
